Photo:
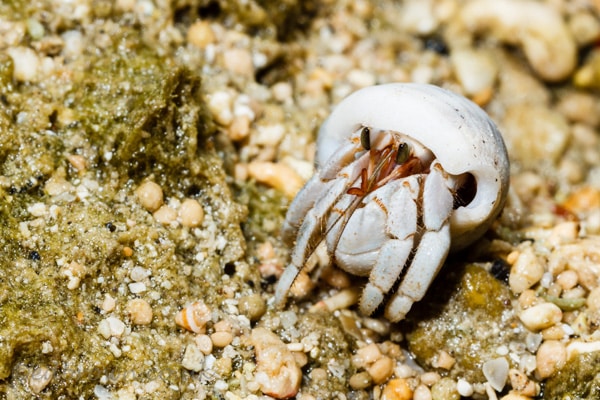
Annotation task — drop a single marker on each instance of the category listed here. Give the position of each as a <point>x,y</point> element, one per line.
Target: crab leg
<point>313,190</point>
<point>401,228</point>
<point>432,248</point>
<point>313,227</point>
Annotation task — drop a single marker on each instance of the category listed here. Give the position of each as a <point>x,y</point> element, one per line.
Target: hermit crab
<point>406,173</point>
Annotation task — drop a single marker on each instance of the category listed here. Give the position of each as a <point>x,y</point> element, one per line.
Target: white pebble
<point>111,327</point>
<point>138,274</point>
<point>193,359</point>
<point>137,287</point>
<point>26,64</point>
<point>464,388</point>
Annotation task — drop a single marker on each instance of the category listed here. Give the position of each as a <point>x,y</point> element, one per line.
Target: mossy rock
<point>578,379</point>
<point>467,313</point>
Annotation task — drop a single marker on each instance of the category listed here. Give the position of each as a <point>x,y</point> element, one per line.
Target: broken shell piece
<point>276,369</point>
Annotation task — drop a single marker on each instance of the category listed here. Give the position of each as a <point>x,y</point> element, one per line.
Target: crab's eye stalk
<point>403,153</point>
<point>365,138</point>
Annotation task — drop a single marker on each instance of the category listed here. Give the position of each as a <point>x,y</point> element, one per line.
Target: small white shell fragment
<point>537,27</point>
<point>541,316</point>
<point>276,369</point>
<point>496,372</point>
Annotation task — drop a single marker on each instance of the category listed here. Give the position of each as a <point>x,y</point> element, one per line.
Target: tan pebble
<point>422,392</point>
<point>582,200</point>
<point>223,366</point>
<point>445,389</point>
<point>515,396</point>
<point>565,232</point>
<point>430,378</point>
<point>555,332</point>
<point>165,215</point>
<point>276,370</point>
<point>140,311</point>
<point>550,357</point>
<point>593,299</point>
<point>527,298</point>
<point>282,91</point>
<point>525,272</point>
<point>366,355</point>
<point>360,381</point>
<point>56,186</point>
<point>127,251</point>
<point>194,317</point>
<point>78,162</point>
<point>475,69</point>
<point>221,339</point>
<point>567,279</point>
<point>191,213</point>
<point>222,326</point>
<point>301,358</point>
<point>40,378</point>
<point>238,61</point>
<point>265,251</point>
<point>521,383</point>
<point>276,175</point>
<point>252,306</point>
<point>444,360</point>
<point>540,316</point>
<point>200,34</point>
<point>108,304</point>
<point>204,343</point>
<point>239,128</point>
<point>318,374</point>
<point>150,195</point>
<point>381,369</point>
<point>336,277</point>
<point>397,389</point>
<point>302,285</point>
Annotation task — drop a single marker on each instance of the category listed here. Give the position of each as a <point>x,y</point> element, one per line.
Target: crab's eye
<point>403,153</point>
<point>365,138</point>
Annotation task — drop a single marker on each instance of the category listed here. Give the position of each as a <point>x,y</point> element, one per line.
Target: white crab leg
<point>313,226</point>
<point>401,228</point>
<point>433,246</point>
<point>313,190</point>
